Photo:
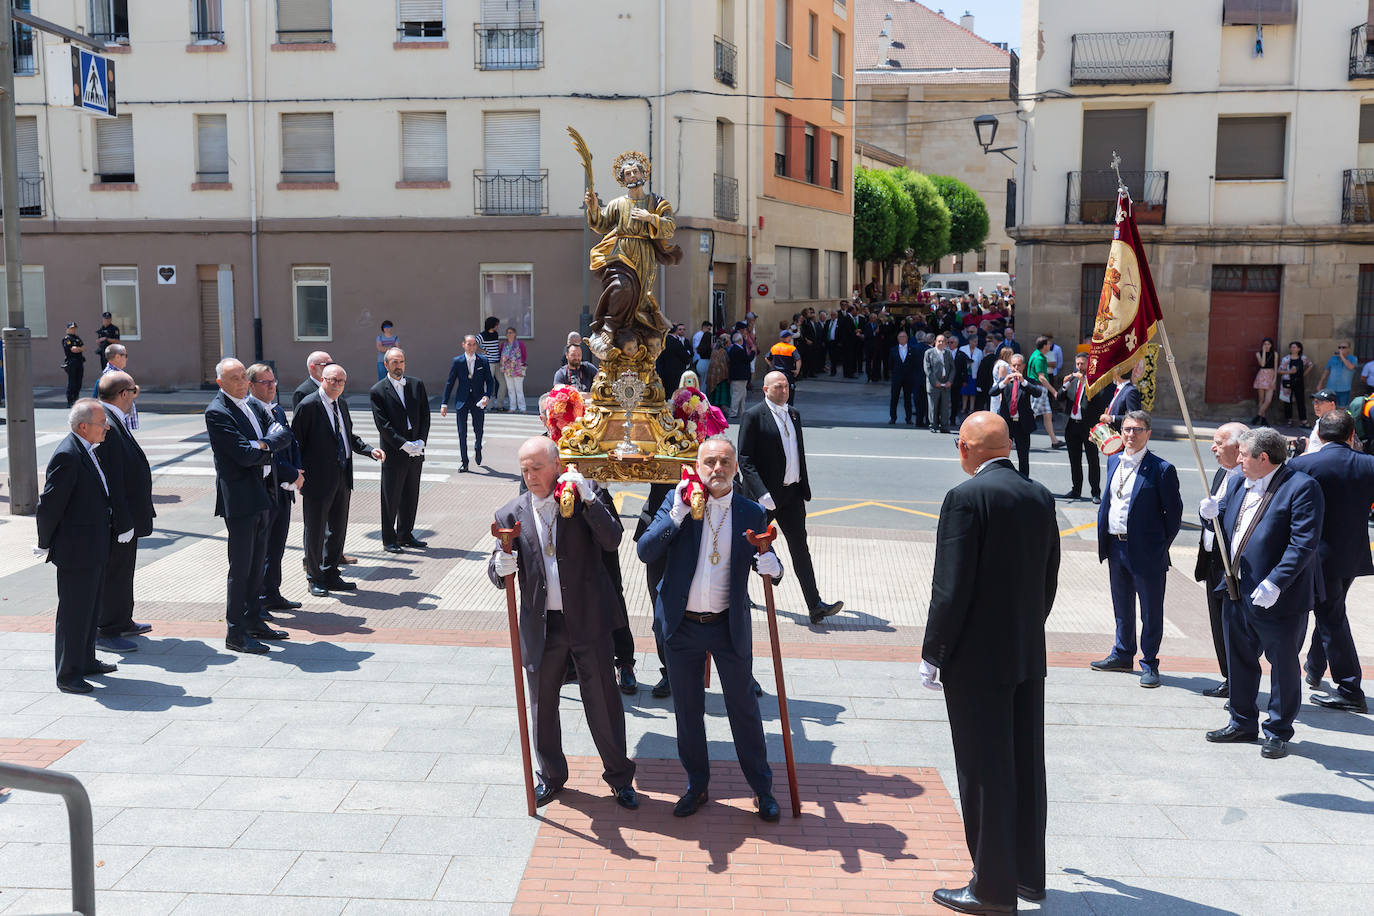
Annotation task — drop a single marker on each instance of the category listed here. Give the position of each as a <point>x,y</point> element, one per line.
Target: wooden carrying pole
<point>507,538</point>
<point>761,543</point>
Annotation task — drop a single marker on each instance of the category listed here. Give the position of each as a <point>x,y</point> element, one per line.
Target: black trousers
<point>791,517</point>
<point>117,593</point>
<point>247,561</point>
<point>1215,574</point>
<point>834,349</point>
<point>478,415</point>
<point>999,757</point>
<point>600,704</point>
<point>1279,639</point>
<point>277,529</point>
<point>905,388</point>
<point>687,650</point>
<point>78,602</point>
<point>75,370</point>
<point>1331,641</point>
<point>921,401</point>
<point>1080,446</point>
<point>1021,439</point>
<point>653,572</point>
<point>325,513</point>
<point>400,495</point>
<point>1299,402</point>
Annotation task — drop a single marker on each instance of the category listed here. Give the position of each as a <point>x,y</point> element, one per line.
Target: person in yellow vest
<point>783,358</point>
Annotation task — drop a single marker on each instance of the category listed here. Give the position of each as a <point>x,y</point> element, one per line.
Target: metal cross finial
<point>1116,167</point>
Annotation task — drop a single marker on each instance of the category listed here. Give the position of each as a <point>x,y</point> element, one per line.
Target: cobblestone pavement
<point>370,765</point>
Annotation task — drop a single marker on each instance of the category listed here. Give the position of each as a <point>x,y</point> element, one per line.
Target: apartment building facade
<point>295,172</point>
<point>1246,134</point>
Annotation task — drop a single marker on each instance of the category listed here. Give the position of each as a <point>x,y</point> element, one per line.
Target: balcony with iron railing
<point>30,196</point>
<point>1103,58</point>
<point>782,63</point>
<point>523,193</point>
<point>726,55</point>
<point>1361,53</point>
<point>1357,190</point>
<point>513,48</point>
<point>726,197</point>
<point>1091,197</point>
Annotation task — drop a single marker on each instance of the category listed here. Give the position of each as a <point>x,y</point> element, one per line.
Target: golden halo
<point>630,155</point>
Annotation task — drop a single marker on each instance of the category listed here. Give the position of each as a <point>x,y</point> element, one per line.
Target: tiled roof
<point>943,77</point>
<point>922,39</point>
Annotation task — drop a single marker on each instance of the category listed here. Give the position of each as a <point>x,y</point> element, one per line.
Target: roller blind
<point>422,10</point>
<point>424,146</point>
<point>1251,148</point>
<point>509,14</point>
<point>510,141</point>
<point>1259,12</point>
<point>1366,127</point>
<point>114,145</point>
<point>26,146</point>
<point>307,147</point>
<point>212,148</point>
<point>303,15</point>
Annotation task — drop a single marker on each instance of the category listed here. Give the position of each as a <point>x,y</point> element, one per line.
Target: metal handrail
<point>523,193</point>
<point>726,194</point>
<point>79,827</point>
<point>508,47</point>
<point>1361,53</point>
<point>1103,58</point>
<point>1091,196</point>
<point>725,61</point>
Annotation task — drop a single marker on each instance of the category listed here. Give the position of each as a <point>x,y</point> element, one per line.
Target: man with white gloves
<point>1271,522</point>
<point>703,609</point>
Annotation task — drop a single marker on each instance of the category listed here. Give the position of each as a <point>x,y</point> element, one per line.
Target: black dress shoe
<point>543,794</point>
<point>392,548</point>
<point>1336,701</point>
<point>282,604</point>
<point>102,668</point>
<point>961,900</point>
<point>1312,679</point>
<point>821,610</point>
<point>1221,690</point>
<point>767,808</point>
<point>1230,735</point>
<point>246,646</point>
<point>662,688</point>
<point>1097,499</point>
<point>1274,749</point>
<point>1030,893</point>
<point>74,686</point>
<point>1112,663</point>
<point>462,468</point>
<point>628,684</point>
<point>319,591</point>
<point>414,542</point>
<point>625,797</point>
<point>266,615</point>
<point>136,629</point>
<point>892,422</point>
<point>339,585</point>
<point>477,454</point>
<point>688,804</point>
<point>269,633</point>
<point>1072,494</point>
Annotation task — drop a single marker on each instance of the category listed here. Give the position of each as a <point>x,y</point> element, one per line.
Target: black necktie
<point>340,446</point>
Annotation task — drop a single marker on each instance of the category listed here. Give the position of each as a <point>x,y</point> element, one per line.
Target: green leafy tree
<point>904,217</point>
<point>968,214</point>
<point>929,241</point>
<point>875,222</point>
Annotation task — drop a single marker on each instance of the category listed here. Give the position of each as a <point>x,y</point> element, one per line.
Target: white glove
<point>409,449</point>
<point>584,489</point>
<point>40,552</point>
<point>126,537</point>
<point>679,509</point>
<point>419,446</point>
<point>930,676</point>
<point>766,500</point>
<point>275,428</point>
<point>769,565</point>
<point>1265,594</point>
<point>483,403</point>
<point>505,564</point>
<point>1209,508</point>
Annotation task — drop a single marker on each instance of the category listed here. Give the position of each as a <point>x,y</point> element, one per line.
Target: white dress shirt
<point>1208,538</point>
<point>1251,495</point>
<point>329,409</point>
<point>242,405</point>
<point>472,363</point>
<point>400,387</point>
<point>710,591</point>
<point>1314,442</point>
<point>546,527</point>
<point>90,450</point>
<point>901,352</point>
<point>792,471</point>
<point>1123,479</point>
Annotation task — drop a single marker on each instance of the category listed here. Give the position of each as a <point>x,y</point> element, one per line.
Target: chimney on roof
<point>966,20</point>
<point>885,42</point>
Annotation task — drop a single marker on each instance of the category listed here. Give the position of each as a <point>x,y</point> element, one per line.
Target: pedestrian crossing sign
<point>91,83</point>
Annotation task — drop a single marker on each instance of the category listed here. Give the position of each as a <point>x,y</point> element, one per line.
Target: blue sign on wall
<point>93,82</point>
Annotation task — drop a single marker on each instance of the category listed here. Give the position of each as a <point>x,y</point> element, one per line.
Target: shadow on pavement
<point>1128,899</point>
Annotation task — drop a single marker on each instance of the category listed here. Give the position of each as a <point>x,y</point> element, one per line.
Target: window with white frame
<point>310,295</point>
<point>420,20</point>
<point>834,274</point>
<point>212,149</point>
<point>508,293</point>
<point>119,296</point>
<point>207,22</point>
<point>307,147</point>
<point>424,146</point>
<point>110,20</point>
<point>510,35</point>
<point>114,149</point>
<point>35,299</point>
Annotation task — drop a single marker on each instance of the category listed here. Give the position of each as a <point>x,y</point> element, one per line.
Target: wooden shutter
<point>209,322</point>
<point>509,14</point>
<point>424,146</point>
<point>422,10</point>
<point>307,147</point>
<point>114,146</point>
<point>212,148</point>
<point>510,141</point>
<point>26,146</point>
<point>1259,12</point>
<point>303,16</point>
<point>1366,127</point>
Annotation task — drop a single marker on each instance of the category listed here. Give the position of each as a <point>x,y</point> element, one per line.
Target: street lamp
<point>985,129</point>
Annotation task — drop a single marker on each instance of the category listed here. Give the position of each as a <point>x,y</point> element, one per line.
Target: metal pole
<point>23,449</point>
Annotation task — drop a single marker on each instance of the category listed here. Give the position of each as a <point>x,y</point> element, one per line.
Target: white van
<point>968,281</point>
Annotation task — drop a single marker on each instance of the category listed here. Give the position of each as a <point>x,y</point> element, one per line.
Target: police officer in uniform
<point>108,333</point>
<point>74,361</point>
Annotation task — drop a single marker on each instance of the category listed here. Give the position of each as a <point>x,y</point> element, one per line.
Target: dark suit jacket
<point>304,390</point>
<point>904,372</point>
<point>1284,543</point>
<point>240,487</point>
<point>398,424</point>
<point>762,462</point>
<point>591,603</point>
<point>1346,479</point>
<point>1156,512</point>
<point>1204,557</point>
<point>469,391</point>
<point>921,350</point>
<point>287,460</point>
<point>1025,416</point>
<point>1092,408</point>
<point>319,452</point>
<point>682,545</point>
<point>1124,399</point>
<point>672,362</point>
<point>996,573</point>
<point>73,511</point>
<point>131,480</point>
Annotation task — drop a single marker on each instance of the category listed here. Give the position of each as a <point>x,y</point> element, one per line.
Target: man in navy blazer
<point>904,366</point>
<point>1346,478</point>
<point>1139,517</point>
<point>262,384</point>
<point>1271,518</point>
<point>1017,392</point>
<point>131,501</point>
<point>74,534</point>
<point>470,379</point>
<point>703,609</point>
<point>1125,399</point>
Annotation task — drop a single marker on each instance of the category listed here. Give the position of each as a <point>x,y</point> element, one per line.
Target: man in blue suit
<point>904,367</point>
<point>1346,478</point>
<point>262,382</point>
<point>1271,518</point>
<point>1125,399</point>
<point>471,379</point>
<point>1140,515</point>
<point>703,608</point>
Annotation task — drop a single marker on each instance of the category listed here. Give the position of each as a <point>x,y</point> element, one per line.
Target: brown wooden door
<point>1237,324</point>
<point>208,277</point>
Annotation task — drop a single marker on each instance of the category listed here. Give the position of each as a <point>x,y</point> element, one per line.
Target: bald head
<point>315,363</point>
<point>982,437</point>
<point>539,465</point>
